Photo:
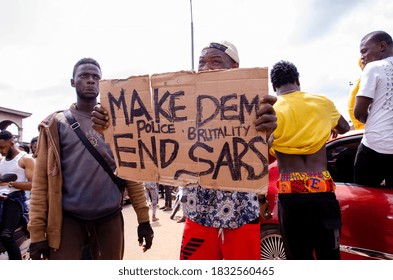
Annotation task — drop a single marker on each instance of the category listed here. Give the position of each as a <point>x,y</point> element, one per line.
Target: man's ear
<point>383,46</point>
<point>235,65</point>
<point>72,82</point>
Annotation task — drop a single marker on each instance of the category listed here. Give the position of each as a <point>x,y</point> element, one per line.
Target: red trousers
<point>208,243</point>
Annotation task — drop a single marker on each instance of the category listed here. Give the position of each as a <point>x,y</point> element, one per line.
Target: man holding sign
<point>220,224</point>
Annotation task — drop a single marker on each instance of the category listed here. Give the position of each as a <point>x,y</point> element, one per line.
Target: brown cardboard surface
<point>184,128</point>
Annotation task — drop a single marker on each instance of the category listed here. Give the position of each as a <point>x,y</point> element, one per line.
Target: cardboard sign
<point>187,128</point>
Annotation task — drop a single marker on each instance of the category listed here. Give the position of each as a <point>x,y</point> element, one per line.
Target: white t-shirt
<point>377,83</point>
<point>12,166</point>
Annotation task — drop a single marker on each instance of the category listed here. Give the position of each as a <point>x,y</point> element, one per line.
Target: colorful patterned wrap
<point>305,182</point>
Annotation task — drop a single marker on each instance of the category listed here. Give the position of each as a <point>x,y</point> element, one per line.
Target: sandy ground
<point>167,236</point>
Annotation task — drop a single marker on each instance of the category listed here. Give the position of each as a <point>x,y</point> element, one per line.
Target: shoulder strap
<point>75,126</point>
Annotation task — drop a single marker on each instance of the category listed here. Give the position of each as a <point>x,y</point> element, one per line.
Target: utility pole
<point>192,38</point>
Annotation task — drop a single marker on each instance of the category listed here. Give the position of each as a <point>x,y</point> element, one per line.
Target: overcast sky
<point>41,40</point>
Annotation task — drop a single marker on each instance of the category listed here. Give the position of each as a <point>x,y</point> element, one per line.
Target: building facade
<point>10,116</point>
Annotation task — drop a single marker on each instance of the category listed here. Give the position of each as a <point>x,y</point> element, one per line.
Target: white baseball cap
<point>227,48</point>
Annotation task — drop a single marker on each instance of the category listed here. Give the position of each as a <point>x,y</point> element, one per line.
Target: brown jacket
<point>46,212</point>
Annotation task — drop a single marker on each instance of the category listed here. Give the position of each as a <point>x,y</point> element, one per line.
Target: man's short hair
<point>33,140</point>
<point>282,73</point>
<point>86,60</point>
<point>227,48</point>
<point>379,36</point>
<point>25,148</point>
<point>6,135</point>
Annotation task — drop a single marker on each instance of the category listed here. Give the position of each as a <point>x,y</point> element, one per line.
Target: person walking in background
<point>33,148</point>
<point>161,191</point>
<point>13,207</point>
<point>167,198</point>
<point>74,202</point>
<point>33,145</point>
<point>352,99</point>
<point>24,148</point>
<point>309,212</point>
<point>183,198</point>
<point>374,107</point>
<point>151,191</point>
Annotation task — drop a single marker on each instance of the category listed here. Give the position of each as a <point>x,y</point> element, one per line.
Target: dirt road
<point>167,236</point>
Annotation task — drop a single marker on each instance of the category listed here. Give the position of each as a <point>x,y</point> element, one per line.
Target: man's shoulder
<point>318,97</point>
<point>27,159</point>
<point>302,96</point>
<point>390,58</point>
<point>378,65</point>
<point>50,118</point>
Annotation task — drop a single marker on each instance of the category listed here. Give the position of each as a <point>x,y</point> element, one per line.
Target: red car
<point>366,212</point>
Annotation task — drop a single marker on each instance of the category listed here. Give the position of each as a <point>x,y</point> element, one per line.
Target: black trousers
<point>310,225</point>
<point>371,168</point>
<point>168,195</point>
<point>11,220</point>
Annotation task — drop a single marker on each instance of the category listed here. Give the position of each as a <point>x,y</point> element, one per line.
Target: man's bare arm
<point>342,126</point>
<point>361,108</point>
<point>27,163</point>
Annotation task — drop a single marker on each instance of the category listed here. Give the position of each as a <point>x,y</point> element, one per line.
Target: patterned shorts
<point>305,182</point>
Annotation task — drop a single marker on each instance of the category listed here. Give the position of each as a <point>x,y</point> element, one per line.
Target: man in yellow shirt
<point>309,212</point>
<point>352,100</point>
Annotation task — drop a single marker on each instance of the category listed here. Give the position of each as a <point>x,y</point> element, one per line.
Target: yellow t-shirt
<point>304,122</point>
<point>351,105</point>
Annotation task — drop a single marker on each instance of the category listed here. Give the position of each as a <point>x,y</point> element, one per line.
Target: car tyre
<point>272,247</point>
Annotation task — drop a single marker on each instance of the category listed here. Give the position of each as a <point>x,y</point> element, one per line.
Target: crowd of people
<point>75,207</point>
